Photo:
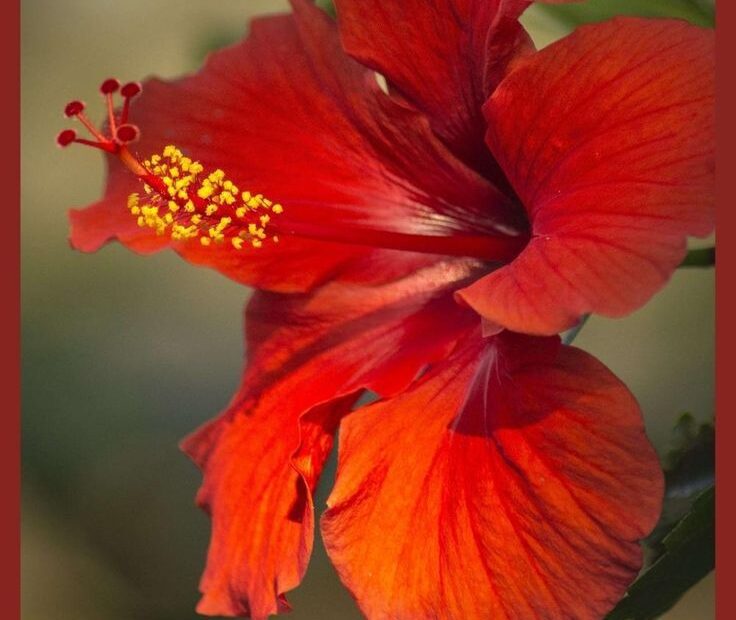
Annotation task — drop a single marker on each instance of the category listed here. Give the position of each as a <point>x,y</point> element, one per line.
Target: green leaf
<point>689,469</point>
<point>693,450</point>
<point>327,6</point>
<point>688,557</point>
<point>702,257</point>
<point>700,12</point>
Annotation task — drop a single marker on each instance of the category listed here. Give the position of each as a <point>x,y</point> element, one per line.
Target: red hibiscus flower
<point>435,236</point>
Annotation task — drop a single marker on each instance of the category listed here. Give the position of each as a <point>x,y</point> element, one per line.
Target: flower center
<point>181,200</point>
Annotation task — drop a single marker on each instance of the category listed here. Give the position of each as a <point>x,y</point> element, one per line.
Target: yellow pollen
<point>184,202</point>
<point>205,191</point>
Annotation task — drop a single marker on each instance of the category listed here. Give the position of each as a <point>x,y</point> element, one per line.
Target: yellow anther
<point>216,234</point>
<point>222,224</point>
<point>188,203</point>
<point>205,191</point>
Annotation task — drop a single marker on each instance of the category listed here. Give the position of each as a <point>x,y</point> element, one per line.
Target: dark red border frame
<point>10,311</point>
<point>725,309</point>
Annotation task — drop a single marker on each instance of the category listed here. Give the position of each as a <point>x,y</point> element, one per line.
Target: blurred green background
<point>122,356</point>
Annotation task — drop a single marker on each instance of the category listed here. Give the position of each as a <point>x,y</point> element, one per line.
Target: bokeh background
<point>122,356</point>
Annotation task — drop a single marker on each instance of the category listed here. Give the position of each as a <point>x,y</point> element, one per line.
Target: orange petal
<point>608,138</point>
<point>514,481</point>
<point>309,358</point>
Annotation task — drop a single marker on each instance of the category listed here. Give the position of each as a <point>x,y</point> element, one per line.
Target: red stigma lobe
<point>119,132</point>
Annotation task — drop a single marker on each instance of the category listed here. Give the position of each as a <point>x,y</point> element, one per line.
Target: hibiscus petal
<point>607,137</point>
<point>513,481</point>
<point>444,57</point>
<point>309,358</point>
<point>289,114</point>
